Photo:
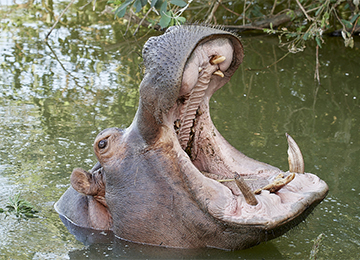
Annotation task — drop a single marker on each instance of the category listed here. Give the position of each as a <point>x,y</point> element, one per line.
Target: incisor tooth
<point>278,183</point>
<point>219,73</point>
<point>295,158</point>
<point>245,190</point>
<point>217,59</point>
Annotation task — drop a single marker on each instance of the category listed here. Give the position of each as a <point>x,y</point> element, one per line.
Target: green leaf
<point>30,215</point>
<point>291,14</point>
<point>2,210</point>
<point>181,20</point>
<point>319,10</point>
<point>318,41</point>
<point>306,36</point>
<point>137,5</point>
<point>325,20</point>
<point>347,23</point>
<point>354,18</point>
<point>291,34</point>
<point>172,22</point>
<point>153,3</point>
<point>300,28</point>
<point>163,8</point>
<point>159,4</point>
<point>165,20</point>
<point>180,3</point>
<point>120,11</point>
<point>10,208</point>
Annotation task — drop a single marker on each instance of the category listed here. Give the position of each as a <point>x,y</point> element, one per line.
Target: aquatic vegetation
<point>19,207</point>
<point>315,249</point>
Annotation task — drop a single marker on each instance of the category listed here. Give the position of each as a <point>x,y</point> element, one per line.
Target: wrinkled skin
<point>157,181</point>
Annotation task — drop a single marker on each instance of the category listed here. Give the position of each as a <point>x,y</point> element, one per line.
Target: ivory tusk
<point>295,158</point>
<point>245,190</point>
<point>217,59</point>
<point>219,73</point>
<point>277,184</point>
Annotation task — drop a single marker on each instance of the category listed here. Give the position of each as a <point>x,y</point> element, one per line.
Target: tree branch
<point>211,15</point>
<point>303,10</point>
<point>265,23</point>
<point>52,28</point>
<point>143,19</point>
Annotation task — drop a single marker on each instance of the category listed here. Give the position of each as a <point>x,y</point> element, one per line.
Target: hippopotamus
<point>171,179</point>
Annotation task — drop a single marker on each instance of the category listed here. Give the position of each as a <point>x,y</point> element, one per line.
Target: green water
<point>55,98</point>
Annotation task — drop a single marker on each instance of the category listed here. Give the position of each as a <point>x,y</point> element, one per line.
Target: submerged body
<point>161,181</point>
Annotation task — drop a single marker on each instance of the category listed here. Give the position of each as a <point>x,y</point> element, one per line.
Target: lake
<point>56,96</point>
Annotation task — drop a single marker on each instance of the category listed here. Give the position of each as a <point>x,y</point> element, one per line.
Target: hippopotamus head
<point>170,178</point>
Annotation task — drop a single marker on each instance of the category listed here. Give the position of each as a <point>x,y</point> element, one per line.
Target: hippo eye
<point>102,144</point>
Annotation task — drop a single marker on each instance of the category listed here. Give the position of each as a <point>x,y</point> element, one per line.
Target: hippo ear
<point>81,181</point>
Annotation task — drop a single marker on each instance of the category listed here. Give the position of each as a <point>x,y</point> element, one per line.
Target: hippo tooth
<point>217,59</point>
<point>200,69</point>
<point>219,73</point>
<point>277,184</point>
<point>177,124</point>
<point>295,158</point>
<point>245,190</point>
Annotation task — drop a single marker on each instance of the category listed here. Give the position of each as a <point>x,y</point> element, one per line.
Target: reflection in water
<point>102,244</point>
<point>88,236</point>
<point>120,249</point>
<point>55,98</point>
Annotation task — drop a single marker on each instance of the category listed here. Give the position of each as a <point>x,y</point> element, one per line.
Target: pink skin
<point>200,59</point>
<point>211,153</point>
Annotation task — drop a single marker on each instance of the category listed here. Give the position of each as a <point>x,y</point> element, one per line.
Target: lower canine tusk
<point>219,73</point>
<point>217,59</point>
<point>245,190</point>
<point>295,158</point>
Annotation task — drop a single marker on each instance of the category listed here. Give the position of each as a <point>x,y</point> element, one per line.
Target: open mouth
<point>250,192</point>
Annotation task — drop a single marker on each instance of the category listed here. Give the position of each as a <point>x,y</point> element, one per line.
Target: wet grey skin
<point>170,179</point>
